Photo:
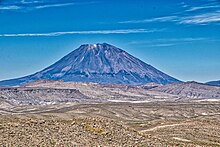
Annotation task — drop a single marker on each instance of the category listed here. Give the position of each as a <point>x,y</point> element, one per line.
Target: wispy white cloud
<point>201,19</point>
<point>162,45</point>
<point>39,4</point>
<point>64,4</point>
<point>54,5</point>
<point>13,7</point>
<point>201,8</point>
<point>127,31</point>
<point>157,19</point>
<point>182,39</point>
<point>165,42</point>
<point>209,14</point>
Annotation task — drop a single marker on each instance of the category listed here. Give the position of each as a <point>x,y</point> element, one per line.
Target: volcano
<point>100,63</point>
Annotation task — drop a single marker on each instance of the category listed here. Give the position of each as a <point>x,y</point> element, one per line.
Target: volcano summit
<point>100,63</point>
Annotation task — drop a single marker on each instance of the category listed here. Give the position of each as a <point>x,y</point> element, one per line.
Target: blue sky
<point>180,38</point>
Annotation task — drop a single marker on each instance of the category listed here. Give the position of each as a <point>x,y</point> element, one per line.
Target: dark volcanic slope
<point>101,63</point>
<point>217,83</point>
<point>191,89</point>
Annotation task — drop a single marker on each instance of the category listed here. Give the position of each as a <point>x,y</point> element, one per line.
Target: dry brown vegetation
<point>112,124</point>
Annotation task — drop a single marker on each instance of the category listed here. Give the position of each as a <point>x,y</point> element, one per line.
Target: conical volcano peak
<point>100,63</point>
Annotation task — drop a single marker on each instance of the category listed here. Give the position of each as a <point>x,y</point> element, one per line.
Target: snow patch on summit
<point>92,46</point>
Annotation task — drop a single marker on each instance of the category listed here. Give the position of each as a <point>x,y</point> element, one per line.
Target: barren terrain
<point>112,124</point>
<point>56,113</point>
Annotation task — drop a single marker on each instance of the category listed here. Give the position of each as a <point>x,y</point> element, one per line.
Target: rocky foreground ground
<point>57,113</point>
<point>112,124</point>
